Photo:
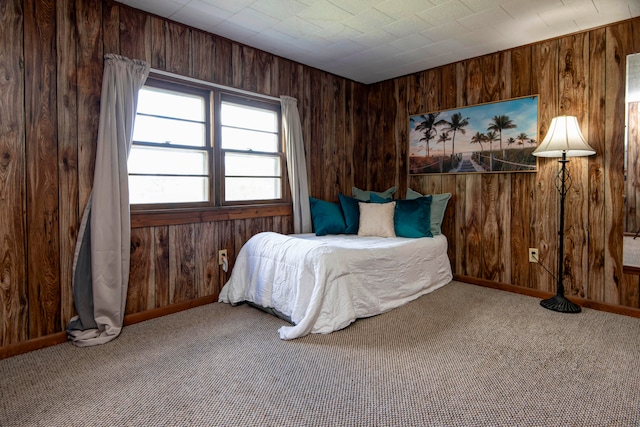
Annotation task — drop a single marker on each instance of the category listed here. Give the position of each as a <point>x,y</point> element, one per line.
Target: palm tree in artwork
<point>455,124</point>
<point>492,136</point>
<point>522,138</point>
<point>426,126</point>
<point>510,141</point>
<point>532,141</point>
<point>443,138</point>
<point>478,138</point>
<point>498,123</point>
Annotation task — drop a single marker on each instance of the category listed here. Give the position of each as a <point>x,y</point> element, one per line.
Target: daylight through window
<point>197,146</point>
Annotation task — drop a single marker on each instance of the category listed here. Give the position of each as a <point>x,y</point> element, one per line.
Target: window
<point>200,146</point>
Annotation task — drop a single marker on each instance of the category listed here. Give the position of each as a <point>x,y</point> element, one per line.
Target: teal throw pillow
<point>327,217</point>
<point>365,195</point>
<point>438,206</point>
<point>412,217</point>
<point>351,212</point>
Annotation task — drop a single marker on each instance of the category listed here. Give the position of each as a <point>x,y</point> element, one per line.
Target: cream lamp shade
<point>564,137</point>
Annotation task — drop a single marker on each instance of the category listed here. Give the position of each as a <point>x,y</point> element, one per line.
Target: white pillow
<point>376,219</point>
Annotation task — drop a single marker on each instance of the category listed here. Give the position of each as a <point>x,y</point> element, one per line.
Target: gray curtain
<point>101,261</point>
<point>296,164</point>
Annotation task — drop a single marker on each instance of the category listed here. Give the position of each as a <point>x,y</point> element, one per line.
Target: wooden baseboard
<point>61,337</point>
<point>600,306</point>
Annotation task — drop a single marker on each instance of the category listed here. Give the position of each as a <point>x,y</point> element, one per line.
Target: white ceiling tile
<point>414,41</point>
<point>522,9</point>
<point>234,6</point>
<point>200,15</point>
<point>232,31</point>
<point>355,6</point>
<point>297,27</point>
<point>324,14</point>
<point>253,20</point>
<point>484,19</point>
<point>337,32</point>
<point>407,26</point>
<point>368,20</point>
<point>451,10</point>
<point>567,13</point>
<point>399,9</point>
<point>482,5</point>
<point>448,30</point>
<point>278,9</point>
<point>373,38</point>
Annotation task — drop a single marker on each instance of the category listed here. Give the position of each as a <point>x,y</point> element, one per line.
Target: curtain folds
<point>296,164</point>
<point>101,261</point>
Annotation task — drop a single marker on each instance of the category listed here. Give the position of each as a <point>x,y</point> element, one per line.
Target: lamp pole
<point>559,302</point>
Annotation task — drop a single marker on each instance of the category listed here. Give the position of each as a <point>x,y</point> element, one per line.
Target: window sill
<point>149,218</point>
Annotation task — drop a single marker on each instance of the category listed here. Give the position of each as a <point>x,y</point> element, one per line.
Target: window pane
<point>164,189</point>
<point>248,117</point>
<point>167,161</point>
<point>238,189</point>
<point>241,139</point>
<point>162,102</point>
<point>161,130</point>
<point>251,165</point>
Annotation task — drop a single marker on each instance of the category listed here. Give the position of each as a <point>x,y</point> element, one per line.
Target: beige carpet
<point>461,356</point>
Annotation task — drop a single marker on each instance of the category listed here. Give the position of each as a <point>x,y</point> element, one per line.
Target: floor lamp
<point>563,140</point>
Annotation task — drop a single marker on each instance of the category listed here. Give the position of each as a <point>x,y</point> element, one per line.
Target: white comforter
<point>325,283</point>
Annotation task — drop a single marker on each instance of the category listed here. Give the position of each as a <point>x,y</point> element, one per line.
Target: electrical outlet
<point>533,254</point>
<point>222,253</point>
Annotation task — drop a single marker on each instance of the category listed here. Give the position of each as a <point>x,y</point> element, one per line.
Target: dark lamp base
<point>561,304</point>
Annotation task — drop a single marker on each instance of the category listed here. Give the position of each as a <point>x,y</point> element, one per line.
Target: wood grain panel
<point>619,42</point>
<point>43,263</point>
<point>330,182</point>
<point>492,83</point>
<point>89,78</point>
<point>110,27</point>
<point>206,259</point>
<point>473,225</point>
<point>520,230</point>
<point>222,62</point>
<point>158,43</point>
<point>67,108</point>
<point>521,70</point>
<point>202,52</point>
<point>13,276</point>
<point>434,89</point>
<point>574,100</point>
<point>545,197</point>
<point>142,271</point>
<point>596,138</point>
<point>495,220</point>
<point>401,136</point>
<point>178,49</point>
<point>182,263</point>
<point>161,264</point>
<point>135,34</point>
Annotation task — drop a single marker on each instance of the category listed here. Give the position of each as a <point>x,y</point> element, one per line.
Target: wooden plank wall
<point>493,218</point>
<point>51,61</point>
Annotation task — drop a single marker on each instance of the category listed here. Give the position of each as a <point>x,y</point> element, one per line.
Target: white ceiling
<point>373,40</point>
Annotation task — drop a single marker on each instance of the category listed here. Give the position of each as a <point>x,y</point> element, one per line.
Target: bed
<point>321,284</point>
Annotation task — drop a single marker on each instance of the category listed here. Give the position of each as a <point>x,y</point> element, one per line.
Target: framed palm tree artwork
<point>492,137</point>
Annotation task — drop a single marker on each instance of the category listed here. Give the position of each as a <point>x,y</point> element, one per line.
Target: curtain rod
<point>206,83</point>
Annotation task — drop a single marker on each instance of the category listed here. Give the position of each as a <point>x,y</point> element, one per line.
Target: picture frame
<point>492,137</point>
